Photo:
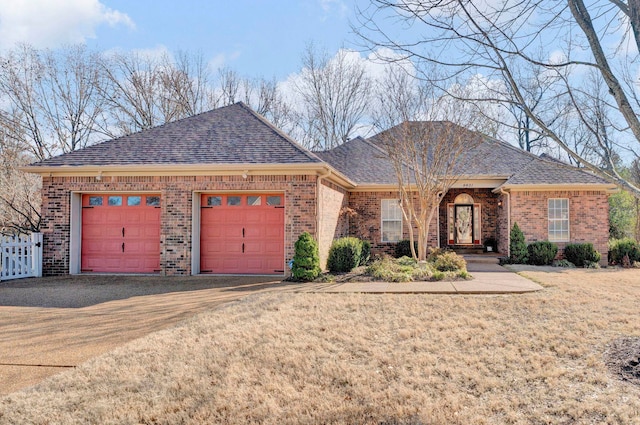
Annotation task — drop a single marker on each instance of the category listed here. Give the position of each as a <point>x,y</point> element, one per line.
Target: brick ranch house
<point>227,192</point>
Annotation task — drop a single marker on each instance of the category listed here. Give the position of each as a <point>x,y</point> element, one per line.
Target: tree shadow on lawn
<point>88,290</point>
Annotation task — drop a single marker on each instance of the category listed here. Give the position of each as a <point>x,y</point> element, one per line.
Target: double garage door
<point>239,233</point>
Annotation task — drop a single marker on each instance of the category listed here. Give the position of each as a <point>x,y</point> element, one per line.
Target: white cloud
<point>222,59</point>
<point>329,6</point>
<point>46,23</point>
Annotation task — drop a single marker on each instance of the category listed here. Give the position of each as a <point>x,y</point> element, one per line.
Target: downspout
<point>440,198</point>
<point>502,192</point>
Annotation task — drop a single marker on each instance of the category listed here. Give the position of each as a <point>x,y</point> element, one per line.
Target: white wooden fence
<point>20,256</point>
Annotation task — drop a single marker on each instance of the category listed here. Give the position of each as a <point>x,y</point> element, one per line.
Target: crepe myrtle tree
<point>507,40</point>
<point>428,142</point>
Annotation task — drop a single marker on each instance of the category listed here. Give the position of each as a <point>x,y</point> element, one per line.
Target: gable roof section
<point>552,172</point>
<point>362,162</point>
<point>488,157</point>
<point>233,134</point>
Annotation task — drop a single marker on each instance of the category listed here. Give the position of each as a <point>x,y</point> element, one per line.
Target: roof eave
<point>319,168</point>
<point>608,187</point>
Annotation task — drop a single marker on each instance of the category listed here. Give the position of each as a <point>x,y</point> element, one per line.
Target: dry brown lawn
<point>384,359</point>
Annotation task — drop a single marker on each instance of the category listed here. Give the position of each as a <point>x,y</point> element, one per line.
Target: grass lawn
<point>382,359</point>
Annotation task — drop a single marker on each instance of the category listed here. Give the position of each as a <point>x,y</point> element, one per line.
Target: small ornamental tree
<point>306,261</point>
<point>518,247</point>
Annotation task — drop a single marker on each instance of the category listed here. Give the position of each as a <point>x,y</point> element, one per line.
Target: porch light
<point>500,204</point>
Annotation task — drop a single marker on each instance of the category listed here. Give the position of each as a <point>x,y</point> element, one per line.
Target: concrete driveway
<point>50,324</point>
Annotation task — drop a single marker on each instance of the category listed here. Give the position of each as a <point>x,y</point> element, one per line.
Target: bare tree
<point>19,192</point>
<point>426,145</point>
<point>496,39</point>
<point>145,91</point>
<point>53,97</point>
<point>334,93</point>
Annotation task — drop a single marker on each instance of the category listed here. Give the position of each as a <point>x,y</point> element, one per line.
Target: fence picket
<point>21,256</point>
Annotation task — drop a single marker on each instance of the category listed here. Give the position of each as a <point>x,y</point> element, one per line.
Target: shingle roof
<point>487,156</point>
<point>233,134</point>
<point>364,161</point>
<point>361,161</point>
<point>544,171</point>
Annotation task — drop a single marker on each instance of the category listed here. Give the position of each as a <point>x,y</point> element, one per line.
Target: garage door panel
<point>222,235</point>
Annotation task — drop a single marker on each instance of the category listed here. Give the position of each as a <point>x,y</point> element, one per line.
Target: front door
<point>463,224</point>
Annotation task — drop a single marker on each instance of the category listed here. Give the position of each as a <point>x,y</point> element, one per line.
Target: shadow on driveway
<point>88,290</point>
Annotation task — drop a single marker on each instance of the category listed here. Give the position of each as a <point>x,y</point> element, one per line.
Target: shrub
<point>389,270</point>
<point>403,248</point>
<point>591,265</point>
<point>365,256</point>
<point>581,253</point>
<point>542,253</point>
<point>306,261</point>
<point>621,247</point>
<point>563,263</point>
<point>517,246</point>
<point>449,262</point>
<point>345,255</point>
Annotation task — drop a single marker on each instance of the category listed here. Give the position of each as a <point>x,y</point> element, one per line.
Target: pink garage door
<point>242,234</point>
<point>120,233</point>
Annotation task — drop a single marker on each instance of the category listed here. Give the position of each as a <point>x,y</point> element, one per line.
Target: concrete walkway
<point>488,278</point>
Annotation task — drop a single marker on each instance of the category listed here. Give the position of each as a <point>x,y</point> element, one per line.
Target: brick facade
<point>176,211</point>
<point>588,216</point>
<point>341,213</point>
<point>365,221</point>
<point>333,222</point>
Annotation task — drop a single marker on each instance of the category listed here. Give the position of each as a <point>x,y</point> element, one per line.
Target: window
<point>115,201</point>
<point>153,201</point>
<point>254,200</point>
<point>133,201</point>
<point>558,220</point>
<point>233,201</point>
<point>391,220</point>
<point>95,201</point>
<point>274,200</point>
<point>214,201</point>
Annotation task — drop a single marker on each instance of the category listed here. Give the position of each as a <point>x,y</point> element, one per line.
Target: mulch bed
<point>623,359</point>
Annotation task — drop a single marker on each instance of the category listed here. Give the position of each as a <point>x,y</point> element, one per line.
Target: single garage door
<point>242,234</point>
<point>120,233</point>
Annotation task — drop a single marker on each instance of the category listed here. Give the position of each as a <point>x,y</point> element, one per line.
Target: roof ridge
<point>279,132</point>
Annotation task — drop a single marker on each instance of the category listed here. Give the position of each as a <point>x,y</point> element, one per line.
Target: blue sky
<point>254,37</point>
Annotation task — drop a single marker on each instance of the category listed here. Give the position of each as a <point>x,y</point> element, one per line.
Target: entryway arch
<point>464,221</point>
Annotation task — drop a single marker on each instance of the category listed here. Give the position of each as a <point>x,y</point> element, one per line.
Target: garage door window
<point>95,201</point>
<point>233,201</point>
<point>274,200</point>
<point>254,200</point>
<point>115,201</point>
<point>133,201</point>
<point>214,201</point>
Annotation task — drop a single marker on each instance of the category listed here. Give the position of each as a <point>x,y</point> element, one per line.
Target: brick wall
<point>176,211</point>
<point>503,230</point>
<point>365,221</point>
<point>488,209</point>
<point>334,222</point>
<point>588,216</point>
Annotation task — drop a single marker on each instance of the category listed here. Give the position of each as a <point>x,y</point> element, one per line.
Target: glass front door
<point>464,224</point>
